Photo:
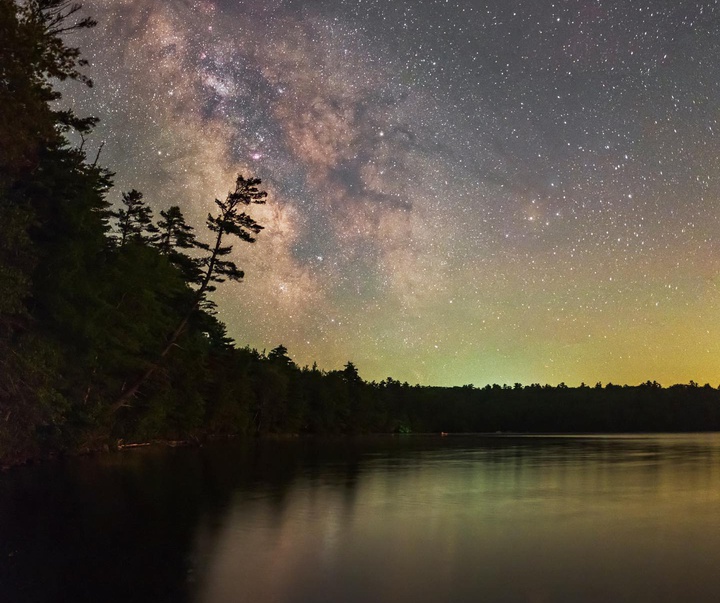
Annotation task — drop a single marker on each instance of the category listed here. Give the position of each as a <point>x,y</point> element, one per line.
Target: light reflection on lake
<point>606,518</point>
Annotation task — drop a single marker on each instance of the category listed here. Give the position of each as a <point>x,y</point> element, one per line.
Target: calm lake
<point>386,519</point>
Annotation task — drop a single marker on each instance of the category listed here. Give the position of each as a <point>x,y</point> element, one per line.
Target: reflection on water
<point>608,518</point>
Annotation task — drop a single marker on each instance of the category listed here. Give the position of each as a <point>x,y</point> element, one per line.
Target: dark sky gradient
<point>461,192</point>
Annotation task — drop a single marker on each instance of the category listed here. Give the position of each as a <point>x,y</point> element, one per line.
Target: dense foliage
<point>107,333</point>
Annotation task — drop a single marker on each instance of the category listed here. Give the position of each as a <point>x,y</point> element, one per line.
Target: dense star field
<point>460,191</point>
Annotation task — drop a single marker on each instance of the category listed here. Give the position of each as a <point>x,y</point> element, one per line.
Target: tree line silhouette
<point>107,333</point>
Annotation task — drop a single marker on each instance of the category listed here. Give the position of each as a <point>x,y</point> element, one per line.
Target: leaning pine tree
<point>230,220</point>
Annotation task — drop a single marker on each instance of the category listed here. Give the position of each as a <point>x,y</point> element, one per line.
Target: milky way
<point>460,191</point>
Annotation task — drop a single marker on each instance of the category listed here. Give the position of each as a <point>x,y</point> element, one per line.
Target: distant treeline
<point>107,333</point>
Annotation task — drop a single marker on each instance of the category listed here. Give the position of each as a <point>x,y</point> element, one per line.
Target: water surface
<point>507,519</point>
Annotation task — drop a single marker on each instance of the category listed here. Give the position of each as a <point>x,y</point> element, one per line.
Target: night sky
<point>461,191</point>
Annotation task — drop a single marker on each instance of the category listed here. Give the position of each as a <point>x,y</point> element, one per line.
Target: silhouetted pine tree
<point>175,235</point>
<point>231,220</point>
<point>134,220</point>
